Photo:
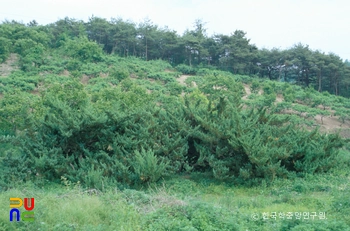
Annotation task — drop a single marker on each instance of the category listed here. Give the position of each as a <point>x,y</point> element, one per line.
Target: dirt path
<point>247,90</point>
<point>183,78</point>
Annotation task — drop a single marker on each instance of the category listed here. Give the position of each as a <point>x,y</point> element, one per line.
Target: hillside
<point>165,147</point>
<point>327,119</point>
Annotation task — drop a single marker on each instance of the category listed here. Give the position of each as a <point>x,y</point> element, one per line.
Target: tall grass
<point>191,202</point>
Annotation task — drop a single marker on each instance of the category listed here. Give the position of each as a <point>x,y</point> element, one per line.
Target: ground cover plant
<point>190,202</point>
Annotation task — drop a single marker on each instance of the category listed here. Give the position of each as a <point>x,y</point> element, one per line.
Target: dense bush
<point>255,86</point>
<point>69,135</point>
<point>5,48</point>
<point>166,77</point>
<point>83,49</point>
<point>118,73</point>
<point>185,69</point>
<point>71,132</point>
<point>148,167</point>
<point>98,131</point>
<point>289,95</point>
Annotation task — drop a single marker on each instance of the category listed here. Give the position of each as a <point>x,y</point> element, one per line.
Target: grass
<point>186,201</point>
<point>60,208</point>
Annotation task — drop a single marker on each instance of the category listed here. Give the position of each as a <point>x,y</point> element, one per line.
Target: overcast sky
<point>322,24</point>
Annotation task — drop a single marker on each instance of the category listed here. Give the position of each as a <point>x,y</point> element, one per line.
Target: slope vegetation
<point>167,149</point>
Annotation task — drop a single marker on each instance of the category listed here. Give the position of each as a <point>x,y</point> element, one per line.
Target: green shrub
<point>343,113</point>
<point>94,179</point>
<point>94,69</point>
<point>196,216</point>
<point>174,88</point>
<point>118,73</point>
<point>185,69</point>
<point>74,65</point>
<point>269,99</point>
<point>5,48</point>
<point>51,69</point>
<point>83,49</point>
<point>288,94</point>
<point>321,225</point>
<point>163,76</point>
<point>148,167</point>
<point>255,86</point>
<point>268,88</point>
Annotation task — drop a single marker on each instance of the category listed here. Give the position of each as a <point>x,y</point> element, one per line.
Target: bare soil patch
<point>7,67</point>
<point>249,92</point>
<point>183,78</point>
<point>65,73</point>
<point>133,76</point>
<point>279,98</point>
<point>330,123</point>
<point>85,79</point>
<point>104,75</point>
<point>35,92</point>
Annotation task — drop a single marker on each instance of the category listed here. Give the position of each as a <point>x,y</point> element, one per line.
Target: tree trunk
<point>270,74</point>
<point>307,80</point>
<point>335,83</point>
<point>146,48</point>
<point>336,87</point>
<point>320,81</point>
<point>279,75</point>
<point>285,76</point>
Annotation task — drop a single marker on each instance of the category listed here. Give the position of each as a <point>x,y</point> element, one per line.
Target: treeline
<point>234,53</point>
